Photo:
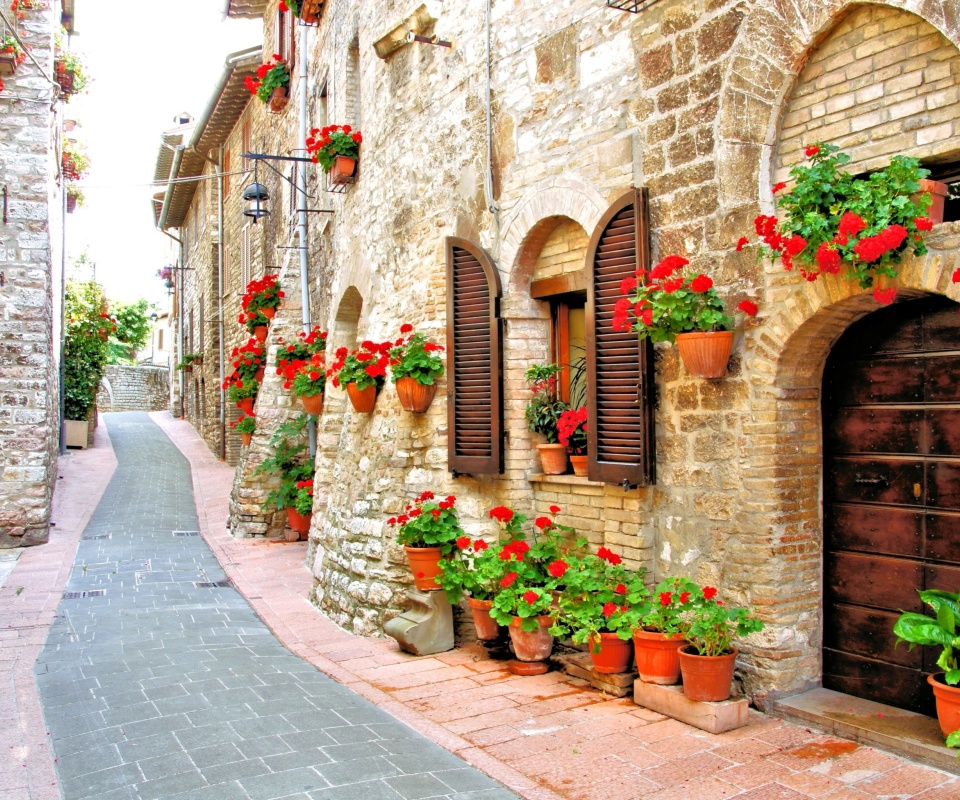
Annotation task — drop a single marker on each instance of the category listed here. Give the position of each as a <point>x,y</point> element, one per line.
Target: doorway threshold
<point>896,730</point>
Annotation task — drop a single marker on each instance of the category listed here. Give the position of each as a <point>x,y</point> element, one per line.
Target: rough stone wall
<point>31,241</point>
<point>134,389</point>
<point>686,99</point>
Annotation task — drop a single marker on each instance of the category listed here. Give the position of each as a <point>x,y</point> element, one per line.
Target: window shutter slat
<point>619,367</point>
<point>474,364</point>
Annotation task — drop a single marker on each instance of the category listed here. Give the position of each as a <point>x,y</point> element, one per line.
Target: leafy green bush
<point>85,352</point>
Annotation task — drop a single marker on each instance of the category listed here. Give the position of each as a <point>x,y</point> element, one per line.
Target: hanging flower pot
<point>706,678</point>
<point>270,312</point>
<point>362,400</point>
<point>343,169</point>
<point>245,438</point>
<point>579,464</point>
<point>614,655</point>
<point>310,11</point>
<point>71,203</point>
<point>64,77</point>
<point>938,195</point>
<point>298,522</point>
<point>425,566</point>
<point>312,403</point>
<point>553,458</point>
<point>948,703</point>
<point>278,100</point>
<point>533,645</point>
<point>658,659</point>
<point>245,405</point>
<point>705,354</point>
<point>260,331</point>
<point>415,397</point>
<point>487,627</point>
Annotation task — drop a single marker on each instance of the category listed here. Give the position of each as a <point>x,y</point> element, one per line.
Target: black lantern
<point>255,198</point>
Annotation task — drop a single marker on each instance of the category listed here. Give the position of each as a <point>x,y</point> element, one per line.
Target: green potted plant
<point>474,570</point>
<point>189,359</point>
<point>263,295</point>
<point>240,391</point>
<point>75,197</point>
<point>670,305</point>
<point>290,464</point>
<point>336,148</point>
<point>542,413</point>
<point>70,73</point>
<point>362,372</point>
<point>248,360</point>
<point>308,11</point>
<point>595,606</point>
<point>73,161</point>
<point>85,356</point>
<point>256,322</point>
<point>939,630</point>
<point>245,426</point>
<point>833,220</point>
<point>572,434</point>
<point>429,529</point>
<point>272,84</point>
<point>309,381</point>
<point>708,660</point>
<point>415,365</point>
<point>12,55</point>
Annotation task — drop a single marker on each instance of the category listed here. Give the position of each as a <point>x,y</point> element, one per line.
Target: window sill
<point>566,480</point>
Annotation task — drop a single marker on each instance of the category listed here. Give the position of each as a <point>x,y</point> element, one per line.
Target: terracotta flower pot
<point>948,703</point>
<point>298,522</point>
<point>260,331</point>
<point>312,403</point>
<point>938,194</point>
<point>71,203</point>
<point>531,645</point>
<point>579,464</point>
<point>553,458</point>
<point>363,400</point>
<point>310,11</point>
<point>706,678</point>
<point>245,405</point>
<point>245,438</point>
<point>487,627</point>
<point>425,566</point>
<point>657,658</point>
<point>258,375</point>
<point>614,656</point>
<point>343,169</point>
<point>269,313</point>
<point>705,355</point>
<point>415,397</point>
<point>278,100</point>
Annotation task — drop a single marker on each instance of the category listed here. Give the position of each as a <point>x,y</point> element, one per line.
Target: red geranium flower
<point>748,307</point>
<point>530,596</point>
<point>557,568</point>
<point>701,283</point>
<point>666,598</point>
<point>709,592</point>
<point>463,542</point>
<point>811,151</point>
<point>543,522</point>
<point>508,579</point>
<point>884,296</point>
<point>742,242</point>
<point>556,509</point>
<point>501,514</point>
<point>479,545</point>
<point>609,609</point>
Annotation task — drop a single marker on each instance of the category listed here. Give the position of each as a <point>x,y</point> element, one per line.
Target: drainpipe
<point>488,179</point>
<point>302,211</point>
<point>63,317</point>
<point>178,303</point>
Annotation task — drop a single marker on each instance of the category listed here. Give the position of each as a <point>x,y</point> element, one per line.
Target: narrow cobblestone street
<point>163,688</point>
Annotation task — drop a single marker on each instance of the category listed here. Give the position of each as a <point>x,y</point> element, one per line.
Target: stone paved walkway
<point>159,681</point>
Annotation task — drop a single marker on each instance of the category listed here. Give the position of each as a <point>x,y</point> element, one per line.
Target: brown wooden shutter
<point>619,368</point>
<point>474,363</point>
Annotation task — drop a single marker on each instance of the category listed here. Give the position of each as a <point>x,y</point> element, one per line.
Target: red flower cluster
<point>18,7</point>
<point>514,551</point>
<point>262,292</point>
<point>870,248</point>
<point>308,485</point>
<point>530,597</point>
<point>254,85</point>
<point>572,424</point>
<point>369,358</point>
<point>248,358</point>
<point>501,514</point>
<point>709,593</point>
<point>557,568</point>
<point>609,555</point>
<point>507,580</point>
<point>333,140</point>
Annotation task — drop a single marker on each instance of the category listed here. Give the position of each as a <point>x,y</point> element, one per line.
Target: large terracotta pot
<point>260,331</point>
<point>706,678</point>
<point>343,169</point>
<point>579,464</point>
<point>245,405</point>
<point>298,522</point>
<point>269,313</point>
<point>363,400</point>
<point>948,703</point>
<point>415,397</point>
<point>246,438</point>
<point>705,355</point>
<point>553,458</point>
<point>531,645</point>
<point>657,657</point>
<point>312,403</point>
<point>938,194</point>
<point>487,627</point>
<point>278,100</point>
<point>425,566</point>
<point>310,11</point>
<point>614,656</point>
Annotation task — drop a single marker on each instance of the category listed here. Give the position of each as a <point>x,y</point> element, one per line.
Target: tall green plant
<point>290,462</point>
<point>85,353</point>
<point>132,333</point>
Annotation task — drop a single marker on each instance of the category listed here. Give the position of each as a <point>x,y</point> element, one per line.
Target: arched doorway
<point>891,427</point>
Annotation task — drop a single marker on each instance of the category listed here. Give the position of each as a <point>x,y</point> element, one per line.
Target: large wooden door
<point>891,426</point>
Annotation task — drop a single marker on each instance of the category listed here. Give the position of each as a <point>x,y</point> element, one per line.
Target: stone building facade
<point>143,388</point>
<point>31,252</point>
<point>705,105</point>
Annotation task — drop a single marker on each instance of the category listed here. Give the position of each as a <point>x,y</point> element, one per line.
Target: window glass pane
<point>576,355</point>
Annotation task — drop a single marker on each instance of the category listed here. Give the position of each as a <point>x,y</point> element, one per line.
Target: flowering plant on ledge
<point>833,220</point>
<point>248,358</point>
<point>309,377</point>
<point>429,522</point>
<point>666,302</point>
<point>672,597</point>
<point>543,410</point>
<point>239,388</point>
<point>325,144</point>
<point>415,357</point>
<point>253,319</point>
<point>709,625</point>
<point>572,430</point>
<point>247,423</point>
<point>11,48</point>
<point>307,344</point>
<point>366,366</point>
<point>262,293</point>
<point>73,161</point>
<point>272,75</point>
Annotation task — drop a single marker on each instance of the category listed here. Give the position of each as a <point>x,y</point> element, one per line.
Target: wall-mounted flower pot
<point>938,195</point>
<point>425,566</point>
<point>278,100</point>
<point>312,403</point>
<point>362,400</point>
<point>269,313</point>
<point>579,464</point>
<point>71,203</point>
<point>64,77</point>
<point>706,678</point>
<point>553,458</point>
<point>246,405</point>
<point>8,63</point>
<point>310,12</point>
<point>343,169</point>
<point>705,354</point>
<point>415,397</point>
<point>246,438</point>
<point>260,332</point>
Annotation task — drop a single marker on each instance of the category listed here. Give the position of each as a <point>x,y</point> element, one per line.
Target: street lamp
<point>255,198</point>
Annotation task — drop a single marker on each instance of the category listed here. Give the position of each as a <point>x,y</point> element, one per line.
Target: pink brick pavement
<point>28,603</point>
<point>545,737</point>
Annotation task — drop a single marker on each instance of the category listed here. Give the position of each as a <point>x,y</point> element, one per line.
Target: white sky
<point>146,66</point>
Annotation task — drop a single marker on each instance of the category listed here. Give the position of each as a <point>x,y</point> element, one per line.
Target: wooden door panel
<point>893,380</point>
<point>941,328</point>
<point>874,430</point>
<point>877,680</point>
<point>881,582</point>
<point>868,632</point>
<point>896,329</point>
<point>944,427</point>
<point>942,576</point>
<point>874,529</point>
<point>876,480</point>
<point>943,485</point>
<point>942,379</point>
<point>943,538</point>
